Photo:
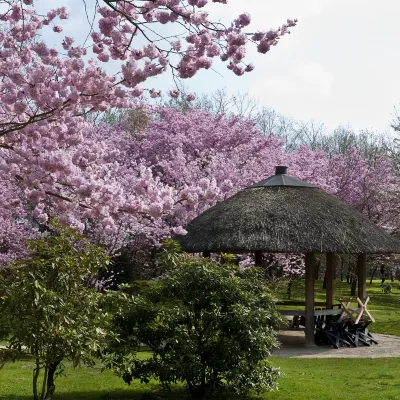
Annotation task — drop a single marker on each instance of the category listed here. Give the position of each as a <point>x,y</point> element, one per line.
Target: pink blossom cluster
<point>39,83</point>
<point>286,266</point>
<point>62,170</point>
<point>15,228</point>
<point>206,159</point>
<point>114,186</point>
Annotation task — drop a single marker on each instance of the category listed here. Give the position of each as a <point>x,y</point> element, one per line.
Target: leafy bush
<point>48,308</point>
<point>386,288</point>
<point>208,324</point>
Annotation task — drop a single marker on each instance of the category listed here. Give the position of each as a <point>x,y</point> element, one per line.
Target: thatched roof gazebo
<point>286,215</point>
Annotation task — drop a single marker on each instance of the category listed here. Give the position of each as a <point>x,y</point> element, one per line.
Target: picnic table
<point>345,325</point>
<point>298,315</point>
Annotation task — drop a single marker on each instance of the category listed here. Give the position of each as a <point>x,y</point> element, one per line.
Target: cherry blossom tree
<point>115,183</point>
<point>42,84</point>
<point>13,229</point>
<point>121,183</point>
<point>207,158</point>
<point>46,155</point>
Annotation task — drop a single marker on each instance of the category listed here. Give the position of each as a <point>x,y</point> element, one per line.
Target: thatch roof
<point>292,218</point>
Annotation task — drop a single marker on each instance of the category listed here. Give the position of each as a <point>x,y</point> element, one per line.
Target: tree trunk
<point>348,277</point>
<point>317,268</point>
<point>341,268</point>
<point>269,266</point>
<point>258,258</point>
<point>36,373</point>
<point>44,383</point>
<point>289,290</point>
<point>197,392</point>
<point>353,287</point>
<point>372,275</point>
<point>309,297</point>
<point>330,279</point>
<point>51,387</point>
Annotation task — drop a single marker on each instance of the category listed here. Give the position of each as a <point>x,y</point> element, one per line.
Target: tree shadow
<point>133,394</point>
<point>120,394</point>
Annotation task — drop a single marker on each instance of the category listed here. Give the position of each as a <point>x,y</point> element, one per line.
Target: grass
<point>302,379</point>
<point>79,383</point>
<point>383,307</point>
<point>367,379</point>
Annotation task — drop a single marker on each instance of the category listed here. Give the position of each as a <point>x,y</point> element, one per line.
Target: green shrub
<point>137,287</point>
<point>48,309</point>
<point>208,324</point>
<point>386,288</point>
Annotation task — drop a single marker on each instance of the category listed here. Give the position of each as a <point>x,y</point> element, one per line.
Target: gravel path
<point>293,346</point>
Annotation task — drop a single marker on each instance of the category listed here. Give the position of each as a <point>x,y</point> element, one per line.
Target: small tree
<point>208,324</point>
<point>48,308</point>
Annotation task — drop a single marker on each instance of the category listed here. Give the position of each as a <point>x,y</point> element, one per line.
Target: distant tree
<point>296,133</point>
<point>395,124</point>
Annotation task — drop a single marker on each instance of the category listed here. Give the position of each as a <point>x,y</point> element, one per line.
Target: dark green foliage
<point>47,308</point>
<point>386,288</point>
<point>208,324</point>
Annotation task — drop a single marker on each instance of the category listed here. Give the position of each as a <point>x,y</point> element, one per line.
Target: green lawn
<point>303,379</point>
<point>384,307</point>
<point>367,379</point>
<point>80,383</point>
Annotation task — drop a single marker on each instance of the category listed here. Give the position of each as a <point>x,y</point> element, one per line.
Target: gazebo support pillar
<point>362,276</point>
<point>309,295</point>
<point>257,258</point>
<point>330,274</point>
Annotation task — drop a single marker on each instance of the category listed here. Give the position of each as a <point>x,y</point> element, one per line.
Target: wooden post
<point>330,273</point>
<point>362,276</point>
<point>309,295</point>
<point>257,258</point>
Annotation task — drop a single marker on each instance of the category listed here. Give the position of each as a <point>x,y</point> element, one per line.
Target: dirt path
<point>293,346</point>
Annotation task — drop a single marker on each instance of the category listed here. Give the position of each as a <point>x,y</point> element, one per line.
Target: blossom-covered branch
<point>42,84</point>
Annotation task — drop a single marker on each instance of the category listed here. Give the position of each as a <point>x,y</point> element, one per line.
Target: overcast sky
<point>340,65</point>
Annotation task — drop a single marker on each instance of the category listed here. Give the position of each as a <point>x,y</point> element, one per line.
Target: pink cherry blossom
<point>54,85</point>
<point>116,182</point>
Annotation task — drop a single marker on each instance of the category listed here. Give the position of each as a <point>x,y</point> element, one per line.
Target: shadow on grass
<point>133,394</point>
<point>120,394</point>
<point>143,393</point>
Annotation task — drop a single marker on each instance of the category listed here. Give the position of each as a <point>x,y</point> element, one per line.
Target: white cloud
<point>268,13</point>
<point>278,84</point>
<point>306,80</point>
<point>314,77</point>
